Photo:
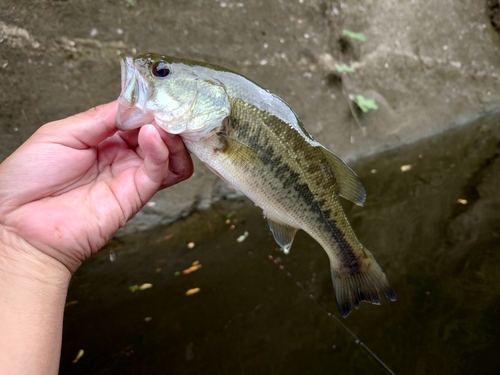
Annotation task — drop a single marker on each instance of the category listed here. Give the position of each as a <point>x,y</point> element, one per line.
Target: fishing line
<point>277,261</point>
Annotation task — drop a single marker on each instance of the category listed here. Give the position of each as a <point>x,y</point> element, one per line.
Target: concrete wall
<point>429,65</point>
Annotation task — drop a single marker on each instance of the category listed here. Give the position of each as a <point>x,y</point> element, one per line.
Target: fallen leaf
<point>353,35</point>
<point>78,356</point>
<point>341,68</point>
<point>191,269</point>
<point>145,286</point>
<point>192,291</point>
<point>242,238</point>
<point>365,104</point>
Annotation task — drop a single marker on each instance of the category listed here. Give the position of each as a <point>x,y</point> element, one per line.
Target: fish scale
<point>305,202</point>
<point>255,142</point>
<point>263,141</point>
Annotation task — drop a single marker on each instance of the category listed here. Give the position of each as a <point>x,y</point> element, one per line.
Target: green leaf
<point>133,288</point>
<point>230,215</point>
<point>365,104</point>
<point>353,35</point>
<point>341,68</point>
<point>131,3</point>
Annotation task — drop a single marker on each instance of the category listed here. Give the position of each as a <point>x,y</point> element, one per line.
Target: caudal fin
<point>367,285</point>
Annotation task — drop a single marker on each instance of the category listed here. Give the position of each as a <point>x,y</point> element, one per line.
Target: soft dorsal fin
<point>283,233</point>
<point>350,187</point>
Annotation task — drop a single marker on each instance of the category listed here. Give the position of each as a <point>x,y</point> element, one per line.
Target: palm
<point>67,197</point>
<point>79,201</point>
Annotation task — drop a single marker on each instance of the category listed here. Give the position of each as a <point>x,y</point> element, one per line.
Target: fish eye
<point>160,69</point>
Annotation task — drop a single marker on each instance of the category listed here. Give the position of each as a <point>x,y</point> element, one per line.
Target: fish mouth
<point>135,91</point>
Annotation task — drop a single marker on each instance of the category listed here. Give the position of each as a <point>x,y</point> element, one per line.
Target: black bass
<point>255,142</point>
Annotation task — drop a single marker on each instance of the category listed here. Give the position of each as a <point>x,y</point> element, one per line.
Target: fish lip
<point>128,118</point>
<point>134,88</point>
<point>133,96</point>
<point>127,74</point>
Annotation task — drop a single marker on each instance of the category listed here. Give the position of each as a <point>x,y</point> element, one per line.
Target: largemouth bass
<point>255,142</point>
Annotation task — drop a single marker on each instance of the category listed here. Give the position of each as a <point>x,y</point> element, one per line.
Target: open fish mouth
<point>133,87</point>
<point>134,94</point>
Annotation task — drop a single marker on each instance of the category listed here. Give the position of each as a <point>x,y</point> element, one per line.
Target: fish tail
<point>362,285</point>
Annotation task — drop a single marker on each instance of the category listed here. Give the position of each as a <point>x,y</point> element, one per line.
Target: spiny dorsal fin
<point>350,187</point>
<point>283,233</point>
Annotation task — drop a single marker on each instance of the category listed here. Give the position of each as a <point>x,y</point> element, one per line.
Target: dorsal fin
<point>350,187</point>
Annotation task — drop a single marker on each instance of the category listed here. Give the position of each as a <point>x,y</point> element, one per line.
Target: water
<point>250,317</point>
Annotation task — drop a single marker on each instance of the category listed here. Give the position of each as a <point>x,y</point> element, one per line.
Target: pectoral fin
<point>350,186</point>
<point>283,234</point>
<point>236,145</point>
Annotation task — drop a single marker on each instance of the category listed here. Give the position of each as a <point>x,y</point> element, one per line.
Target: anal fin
<point>283,233</point>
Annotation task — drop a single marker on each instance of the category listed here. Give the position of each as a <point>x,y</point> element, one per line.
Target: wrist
<point>21,262</point>
<point>33,289</point>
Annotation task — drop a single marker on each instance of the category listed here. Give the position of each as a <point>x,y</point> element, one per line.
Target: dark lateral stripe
<point>260,131</point>
<point>349,258</point>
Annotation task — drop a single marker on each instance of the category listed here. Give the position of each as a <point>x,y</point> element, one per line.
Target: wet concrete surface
<point>435,230</point>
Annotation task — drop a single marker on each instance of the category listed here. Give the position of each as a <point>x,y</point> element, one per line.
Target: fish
<point>255,142</point>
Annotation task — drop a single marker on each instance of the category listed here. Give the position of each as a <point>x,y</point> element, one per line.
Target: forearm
<point>33,290</point>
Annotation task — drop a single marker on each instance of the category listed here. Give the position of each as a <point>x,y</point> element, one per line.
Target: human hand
<point>76,181</point>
